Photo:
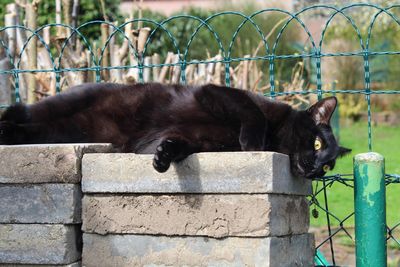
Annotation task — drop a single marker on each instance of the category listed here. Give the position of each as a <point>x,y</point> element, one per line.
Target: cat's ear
<point>344,151</point>
<point>322,111</point>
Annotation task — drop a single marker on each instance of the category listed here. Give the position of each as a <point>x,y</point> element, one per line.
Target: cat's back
<point>88,93</point>
<point>101,97</point>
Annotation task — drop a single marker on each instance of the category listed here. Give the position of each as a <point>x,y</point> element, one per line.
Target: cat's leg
<point>25,133</point>
<point>10,133</point>
<point>17,113</point>
<point>61,131</point>
<point>171,150</point>
<point>236,107</point>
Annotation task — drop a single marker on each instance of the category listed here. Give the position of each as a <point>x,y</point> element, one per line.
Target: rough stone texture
<point>40,203</point>
<point>39,243</point>
<point>233,172</point>
<point>143,250</point>
<point>58,163</point>
<point>204,215</point>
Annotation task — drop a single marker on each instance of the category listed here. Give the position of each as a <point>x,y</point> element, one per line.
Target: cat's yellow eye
<point>326,168</point>
<point>317,144</point>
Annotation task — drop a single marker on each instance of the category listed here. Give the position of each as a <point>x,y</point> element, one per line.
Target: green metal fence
<point>268,58</point>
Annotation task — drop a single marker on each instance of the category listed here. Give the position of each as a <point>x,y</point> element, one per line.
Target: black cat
<point>174,121</point>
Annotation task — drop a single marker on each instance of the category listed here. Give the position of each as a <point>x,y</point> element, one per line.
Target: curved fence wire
<point>97,54</point>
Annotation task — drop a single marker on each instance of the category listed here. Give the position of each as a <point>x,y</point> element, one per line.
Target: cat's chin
<point>299,171</point>
<point>301,174</point>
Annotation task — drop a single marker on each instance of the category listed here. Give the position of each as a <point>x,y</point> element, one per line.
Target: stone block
<point>50,163</point>
<point>50,244</point>
<point>40,203</point>
<point>230,172</point>
<point>215,215</point>
<point>145,250</point>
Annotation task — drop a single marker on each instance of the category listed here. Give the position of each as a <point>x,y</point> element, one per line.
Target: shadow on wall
<point>188,172</point>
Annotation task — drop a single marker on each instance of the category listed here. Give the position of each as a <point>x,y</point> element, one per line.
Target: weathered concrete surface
<point>204,215</point>
<point>40,203</point>
<point>144,250</point>
<point>39,243</point>
<point>233,172</point>
<point>58,163</point>
<point>75,264</point>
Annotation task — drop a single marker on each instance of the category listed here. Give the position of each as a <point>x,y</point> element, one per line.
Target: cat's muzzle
<point>301,167</point>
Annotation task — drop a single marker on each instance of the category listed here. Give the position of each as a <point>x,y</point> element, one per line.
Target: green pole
<point>370,210</point>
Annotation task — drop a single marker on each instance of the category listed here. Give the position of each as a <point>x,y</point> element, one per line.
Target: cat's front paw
<point>164,155</point>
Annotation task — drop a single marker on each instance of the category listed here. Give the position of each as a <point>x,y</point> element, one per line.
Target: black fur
<point>174,121</point>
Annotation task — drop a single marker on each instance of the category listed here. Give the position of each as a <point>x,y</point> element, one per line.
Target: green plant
<point>352,106</point>
<point>349,71</point>
<point>3,5</point>
<point>342,37</point>
<point>395,105</point>
<point>88,10</point>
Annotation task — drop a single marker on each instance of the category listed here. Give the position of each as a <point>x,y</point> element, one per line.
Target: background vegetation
<point>88,10</point>
<point>348,71</point>
<point>246,43</point>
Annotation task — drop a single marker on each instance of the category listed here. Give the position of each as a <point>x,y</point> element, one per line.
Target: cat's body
<point>173,121</point>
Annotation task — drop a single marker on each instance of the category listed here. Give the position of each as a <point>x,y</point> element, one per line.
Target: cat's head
<point>315,147</point>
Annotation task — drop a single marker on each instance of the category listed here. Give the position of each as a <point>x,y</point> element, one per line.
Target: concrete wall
<point>213,209</point>
<point>40,204</point>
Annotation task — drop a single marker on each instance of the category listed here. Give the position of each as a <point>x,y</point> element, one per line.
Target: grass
<point>386,141</point>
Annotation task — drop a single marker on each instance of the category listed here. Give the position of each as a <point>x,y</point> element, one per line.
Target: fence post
<point>370,209</point>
